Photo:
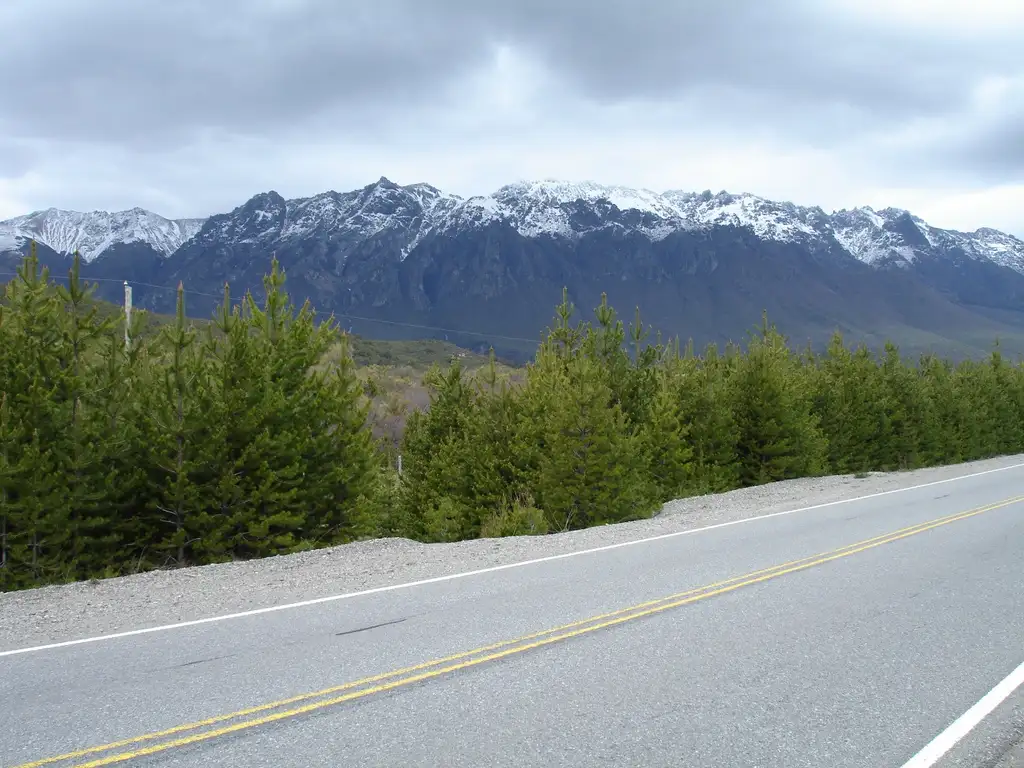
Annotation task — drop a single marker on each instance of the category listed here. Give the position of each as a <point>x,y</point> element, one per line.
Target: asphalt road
<point>850,635</point>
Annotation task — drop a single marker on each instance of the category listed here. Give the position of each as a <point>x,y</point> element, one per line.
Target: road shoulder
<point>65,612</point>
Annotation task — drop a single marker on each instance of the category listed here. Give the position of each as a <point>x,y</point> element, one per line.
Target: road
<point>850,635</point>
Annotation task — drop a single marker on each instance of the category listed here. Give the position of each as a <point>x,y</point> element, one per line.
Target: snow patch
<point>94,232</point>
<point>10,240</point>
<point>407,215</point>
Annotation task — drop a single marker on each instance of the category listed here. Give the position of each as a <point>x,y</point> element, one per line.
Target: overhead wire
<point>345,315</point>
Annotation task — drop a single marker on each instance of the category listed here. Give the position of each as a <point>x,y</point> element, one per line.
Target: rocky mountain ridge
<point>548,208</point>
<point>94,232</point>
<point>399,261</point>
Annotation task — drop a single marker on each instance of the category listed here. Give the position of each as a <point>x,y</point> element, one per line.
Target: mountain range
<point>395,261</point>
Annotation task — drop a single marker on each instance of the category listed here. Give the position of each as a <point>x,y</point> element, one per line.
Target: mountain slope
<point>699,265</point>
<point>93,233</point>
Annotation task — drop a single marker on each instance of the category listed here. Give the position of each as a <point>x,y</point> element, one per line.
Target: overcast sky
<point>190,107</point>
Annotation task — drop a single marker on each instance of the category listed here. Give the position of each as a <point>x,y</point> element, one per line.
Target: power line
<point>135,282</point>
<point>436,328</point>
<point>338,314</point>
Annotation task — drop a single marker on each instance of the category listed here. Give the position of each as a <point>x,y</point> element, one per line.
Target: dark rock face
<point>405,262</point>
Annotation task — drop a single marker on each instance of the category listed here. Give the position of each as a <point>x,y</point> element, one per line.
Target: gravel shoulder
<point>66,612</point>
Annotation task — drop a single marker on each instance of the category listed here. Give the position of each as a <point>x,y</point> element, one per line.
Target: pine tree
<point>89,530</point>
<point>269,461</point>
<point>1004,411</point>
<point>1013,383</point>
<point>970,391</point>
<point>37,408</point>
<point>565,340</point>
<point>297,457</point>
<point>7,439</point>
<point>342,467</point>
<point>590,470</point>
<point>779,436</point>
<point>632,378</point>
<point>252,440</point>
<point>121,479</point>
<point>175,433</point>
<point>905,407</point>
<point>702,389</point>
<point>499,451</point>
<point>428,472</point>
<point>665,437</point>
<point>234,399</point>
<point>7,476</point>
<point>643,383</point>
<point>847,404</point>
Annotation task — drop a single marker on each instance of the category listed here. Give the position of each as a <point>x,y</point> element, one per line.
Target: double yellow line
<point>253,717</point>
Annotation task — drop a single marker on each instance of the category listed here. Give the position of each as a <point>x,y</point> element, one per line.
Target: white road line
<point>493,569</point>
<point>963,725</point>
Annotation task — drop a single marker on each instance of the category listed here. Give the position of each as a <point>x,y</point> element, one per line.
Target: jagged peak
<point>423,186</point>
<point>894,211</point>
<point>383,183</point>
<point>544,206</point>
<point>93,232</point>
<point>564,190</point>
<point>269,195</point>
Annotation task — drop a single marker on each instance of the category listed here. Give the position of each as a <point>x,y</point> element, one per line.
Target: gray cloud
<point>142,72</point>
<point>983,145</point>
<point>796,51</point>
<point>131,71</point>
<point>16,157</point>
<point>994,149</point>
<point>167,94</point>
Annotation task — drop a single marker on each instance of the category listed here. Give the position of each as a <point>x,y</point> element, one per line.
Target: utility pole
<point>127,315</point>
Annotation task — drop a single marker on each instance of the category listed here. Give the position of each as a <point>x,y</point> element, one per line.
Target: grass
<point>420,354</point>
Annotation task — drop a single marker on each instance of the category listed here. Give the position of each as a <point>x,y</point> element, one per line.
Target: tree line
<point>235,440</point>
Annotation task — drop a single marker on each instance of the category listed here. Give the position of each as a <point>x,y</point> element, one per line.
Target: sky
<point>190,107</point>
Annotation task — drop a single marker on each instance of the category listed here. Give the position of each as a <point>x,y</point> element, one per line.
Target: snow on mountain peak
<point>91,233</point>
<point>550,207</point>
<point>766,218</point>
<point>10,241</point>
<point>564,209</point>
<point>552,192</point>
<point>894,236</point>
<point>408,211</point>
<point>406,214</point>
<point>890,236</point>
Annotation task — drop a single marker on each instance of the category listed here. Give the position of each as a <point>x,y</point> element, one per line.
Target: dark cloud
<point>196,104</point>
<point>982,146</point>
<point>796,50</point>
<point>141,72</point>
<point>137,71</point>
<point>993,148</point>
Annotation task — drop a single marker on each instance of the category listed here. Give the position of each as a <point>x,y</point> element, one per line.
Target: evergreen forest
<point>248,435</point>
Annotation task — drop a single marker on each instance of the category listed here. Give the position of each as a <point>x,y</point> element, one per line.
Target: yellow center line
<point>435,662</point>
<point>490,652</point>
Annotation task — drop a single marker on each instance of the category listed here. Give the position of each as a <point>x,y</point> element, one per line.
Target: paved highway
<point>850,635</point>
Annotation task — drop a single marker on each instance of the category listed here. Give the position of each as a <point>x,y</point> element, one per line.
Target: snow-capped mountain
<point>701,264</point>
<point>890,237</point>
<point>551,207</point>
<point>409,212</point>
<point>876,238</point>
<point>893,235</point>
<point>547,208</point>
<point>91,233</point>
